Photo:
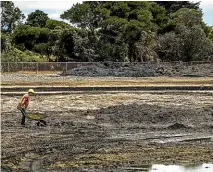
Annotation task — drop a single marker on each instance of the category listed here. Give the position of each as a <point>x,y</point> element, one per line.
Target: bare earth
<point>12,79</point>
<point>108,131</point>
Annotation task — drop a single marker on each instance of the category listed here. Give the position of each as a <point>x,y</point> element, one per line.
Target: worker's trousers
<point>24,114</point>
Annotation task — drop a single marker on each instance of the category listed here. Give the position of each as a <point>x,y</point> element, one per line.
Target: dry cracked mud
<point>108,131</point>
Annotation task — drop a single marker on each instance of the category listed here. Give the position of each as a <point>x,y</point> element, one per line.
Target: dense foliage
<point>133,31</point>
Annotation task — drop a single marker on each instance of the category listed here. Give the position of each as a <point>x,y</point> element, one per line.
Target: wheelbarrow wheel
<point>41,123</point>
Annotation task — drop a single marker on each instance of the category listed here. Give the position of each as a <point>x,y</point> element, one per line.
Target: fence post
<point>22,68</point>
<point>8,67</point>
<point>66,67</point>
<point>37,68</point>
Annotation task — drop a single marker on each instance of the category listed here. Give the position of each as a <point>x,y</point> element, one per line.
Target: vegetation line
<point>123,31</point>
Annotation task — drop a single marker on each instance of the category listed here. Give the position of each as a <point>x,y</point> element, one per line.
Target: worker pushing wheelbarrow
<point>22,106</point>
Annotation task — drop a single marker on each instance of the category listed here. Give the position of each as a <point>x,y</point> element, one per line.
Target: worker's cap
<point>31,91</point>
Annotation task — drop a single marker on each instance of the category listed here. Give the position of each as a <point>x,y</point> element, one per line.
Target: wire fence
<point>54,67</point>
<point>38,67</point>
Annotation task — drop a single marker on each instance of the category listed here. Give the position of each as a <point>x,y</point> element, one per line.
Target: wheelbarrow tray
<point>36,116</point>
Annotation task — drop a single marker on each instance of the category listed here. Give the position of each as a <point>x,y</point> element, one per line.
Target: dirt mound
<point>176,126</point>
<point>147,115</point>
<point>115,70</point>
<point>141,70</point>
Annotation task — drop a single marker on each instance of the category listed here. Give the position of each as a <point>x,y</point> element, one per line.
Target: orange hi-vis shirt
<point>25,101</point>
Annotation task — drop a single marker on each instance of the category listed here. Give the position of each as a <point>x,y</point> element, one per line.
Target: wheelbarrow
<point>37,117</point>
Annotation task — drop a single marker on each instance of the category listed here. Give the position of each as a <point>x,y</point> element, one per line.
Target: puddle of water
<point>177,168</point>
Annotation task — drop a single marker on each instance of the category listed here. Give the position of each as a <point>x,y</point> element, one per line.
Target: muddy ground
<point>125,131</point>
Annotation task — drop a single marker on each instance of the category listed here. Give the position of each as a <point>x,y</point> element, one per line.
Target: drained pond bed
<point>110,132</point>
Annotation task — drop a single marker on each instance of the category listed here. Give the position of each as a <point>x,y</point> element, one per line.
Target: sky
<point>55,8</point>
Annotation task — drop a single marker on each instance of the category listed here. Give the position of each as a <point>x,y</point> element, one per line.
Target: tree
<point>134,22</point>
<point>85,16</point>
<point>44,49</point>
<point>52,24</point>
<point>85,48</point>
<point>160,19</point>
<point>6,42</point>
<point>30,36</point>
<point>116,24</point>
<point>15,55</point>
<point>207,29</point>
<point>169,47</point>
<point>61,42</point>
<point>173,6</point>
<point>66,45</point>
<point>188,41</point>
<point>187,17</point>
<point>88,17</point>
<point>210,33</point>
<point>11,16</point>
<point>37,19</point>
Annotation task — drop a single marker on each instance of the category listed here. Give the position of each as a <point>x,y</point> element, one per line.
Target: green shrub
<point>16,55</point>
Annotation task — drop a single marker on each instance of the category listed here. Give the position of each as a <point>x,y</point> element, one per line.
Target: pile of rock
<point>140,70</point>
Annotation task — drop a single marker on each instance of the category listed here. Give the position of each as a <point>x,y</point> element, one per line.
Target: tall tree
<point>30,36</point>
<point>188,42</point>
<point>85,15</point>
<point>135,24</point>
<point>11,16</point>
<point>52,24</point>
<point>187,17</point>
<point>210,35</point>
<point>37,19</point>
<point>173,6</point>
<point>6,42</point>
<point>121,23</point>
<point>61,43</point>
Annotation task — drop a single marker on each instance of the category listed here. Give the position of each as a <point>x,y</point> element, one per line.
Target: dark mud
<point>108,88</point>
<point>108,132</point>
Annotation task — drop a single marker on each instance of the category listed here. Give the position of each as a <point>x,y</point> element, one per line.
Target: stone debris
<point>141,70</point>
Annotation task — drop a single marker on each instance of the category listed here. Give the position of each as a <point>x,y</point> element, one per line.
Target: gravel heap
<point>141,70</point>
